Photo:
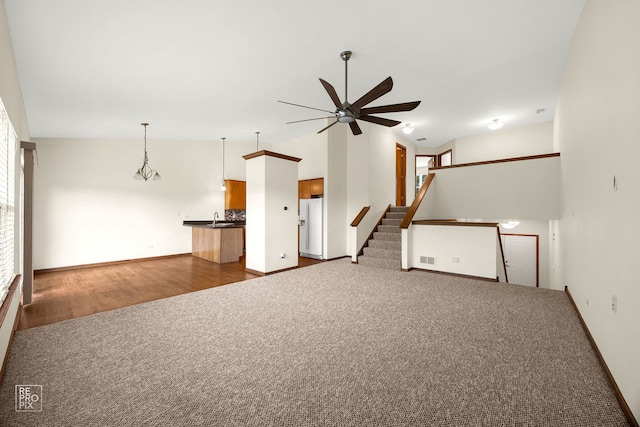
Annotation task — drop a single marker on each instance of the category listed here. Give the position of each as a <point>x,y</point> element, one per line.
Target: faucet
<point>215,218</point>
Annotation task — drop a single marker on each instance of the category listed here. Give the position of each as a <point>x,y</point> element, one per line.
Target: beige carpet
<point>333,344</point>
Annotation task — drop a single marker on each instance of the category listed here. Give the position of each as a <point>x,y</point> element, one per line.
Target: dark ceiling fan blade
<point>383,87</point>
<point>332,93</point>
<point>393,108</point>
<point>355,128</point>
<point>308,120</point>
<point>304,106</point>
<point>379,120</point>
<point>323,129</point>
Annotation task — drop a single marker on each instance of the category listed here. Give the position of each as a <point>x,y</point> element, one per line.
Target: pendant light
<point>145,172</point>
<point>224,187</point>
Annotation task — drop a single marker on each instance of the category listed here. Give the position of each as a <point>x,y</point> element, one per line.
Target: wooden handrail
<point>360,216</point>
<point>406,222</point>
<point>490,162</point>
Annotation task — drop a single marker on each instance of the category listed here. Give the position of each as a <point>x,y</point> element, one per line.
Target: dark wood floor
<point>67,294</point>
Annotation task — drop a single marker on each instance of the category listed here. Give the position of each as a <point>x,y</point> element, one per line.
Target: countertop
<point>209,224</point>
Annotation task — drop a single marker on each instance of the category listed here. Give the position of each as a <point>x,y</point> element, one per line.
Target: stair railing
<point>416,202</point>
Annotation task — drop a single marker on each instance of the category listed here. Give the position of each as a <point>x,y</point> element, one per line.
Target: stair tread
<point>387,236</point>
<point>383,252</point>
<point>380,263</point>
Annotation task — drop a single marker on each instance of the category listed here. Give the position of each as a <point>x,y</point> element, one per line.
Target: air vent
<point>421,139</point>
<point>428,260</point>
<point>540,110</point>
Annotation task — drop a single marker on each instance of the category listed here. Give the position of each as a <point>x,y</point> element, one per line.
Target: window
<point>445,158</point>
<point>8,141</point>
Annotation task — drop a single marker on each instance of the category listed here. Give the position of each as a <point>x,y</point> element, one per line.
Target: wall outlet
<point>281,256</point>
<point>455,259</point>
<point>614,303</point>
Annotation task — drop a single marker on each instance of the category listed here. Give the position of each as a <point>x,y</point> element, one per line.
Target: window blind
<point>8,142</point>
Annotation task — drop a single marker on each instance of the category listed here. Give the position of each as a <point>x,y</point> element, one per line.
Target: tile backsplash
<point>235,215</point>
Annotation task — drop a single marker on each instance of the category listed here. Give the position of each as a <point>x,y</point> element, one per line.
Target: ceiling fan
<point>348,113</point>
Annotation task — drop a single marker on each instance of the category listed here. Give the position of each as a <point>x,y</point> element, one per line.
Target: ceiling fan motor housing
<point>345,114</point>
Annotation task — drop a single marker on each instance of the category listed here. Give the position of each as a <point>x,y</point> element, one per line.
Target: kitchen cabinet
<point>236,195</point>
<point>217,244</point>
<point>308,188</point>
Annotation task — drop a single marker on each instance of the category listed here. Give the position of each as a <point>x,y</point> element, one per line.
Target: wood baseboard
<point>100,264</point>
<point>467,276</point>
<point>616,390</point>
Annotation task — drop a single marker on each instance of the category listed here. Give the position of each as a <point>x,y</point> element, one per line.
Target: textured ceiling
<point>203,69</point>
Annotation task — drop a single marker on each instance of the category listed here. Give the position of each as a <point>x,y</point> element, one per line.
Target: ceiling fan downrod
<point>345,57</point>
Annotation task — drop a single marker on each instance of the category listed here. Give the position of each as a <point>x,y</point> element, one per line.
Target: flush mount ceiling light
<point>408,129</point>
<point>495,124</point>
<point>224,187</point>
<point>145,172</point>
<point>510,223</point>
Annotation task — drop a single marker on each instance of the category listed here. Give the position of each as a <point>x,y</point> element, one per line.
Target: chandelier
<point>145,172</point>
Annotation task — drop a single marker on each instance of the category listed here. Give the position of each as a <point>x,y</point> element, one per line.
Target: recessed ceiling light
<point>495,124</point>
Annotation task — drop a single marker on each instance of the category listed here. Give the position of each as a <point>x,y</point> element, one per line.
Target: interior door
<point>401,175</point>
<point>521,258</point>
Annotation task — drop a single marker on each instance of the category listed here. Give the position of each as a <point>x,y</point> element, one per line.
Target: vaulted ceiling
<point>204,69</point>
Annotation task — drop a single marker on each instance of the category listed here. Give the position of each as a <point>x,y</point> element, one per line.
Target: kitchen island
<point>221,242</point>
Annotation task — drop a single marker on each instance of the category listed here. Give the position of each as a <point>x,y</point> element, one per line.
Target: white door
<point>521,259</point>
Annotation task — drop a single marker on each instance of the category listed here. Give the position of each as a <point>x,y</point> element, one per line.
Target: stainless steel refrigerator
<point>311,228</point>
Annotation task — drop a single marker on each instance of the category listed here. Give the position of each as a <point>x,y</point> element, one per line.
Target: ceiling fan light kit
<point>347,112</point>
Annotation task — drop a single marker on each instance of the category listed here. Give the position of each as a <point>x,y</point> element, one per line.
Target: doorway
<point>401,175</point>
<point>521,258</point>
<point>423,164</point>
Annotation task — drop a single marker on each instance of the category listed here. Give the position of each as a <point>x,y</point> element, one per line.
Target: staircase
<point>384,249</point>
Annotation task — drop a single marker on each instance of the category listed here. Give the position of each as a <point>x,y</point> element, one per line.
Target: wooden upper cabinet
<point>308,188</point>
<point>317,187</point>
<point>236,194</point>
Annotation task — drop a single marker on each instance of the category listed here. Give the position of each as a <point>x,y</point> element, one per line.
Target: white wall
<point>597,130</point>
<point>505,143</point>
<point>256,223</point>
<point>311,149</point>
<point>88,209</point>
<point>234,163</point>
<point>382,164</point>
<point>335,193</point>
<point>271,230</point>
<point>524,190</point>
<point>10,90</point>
<point>474,247</point>
<point>11,96</point>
